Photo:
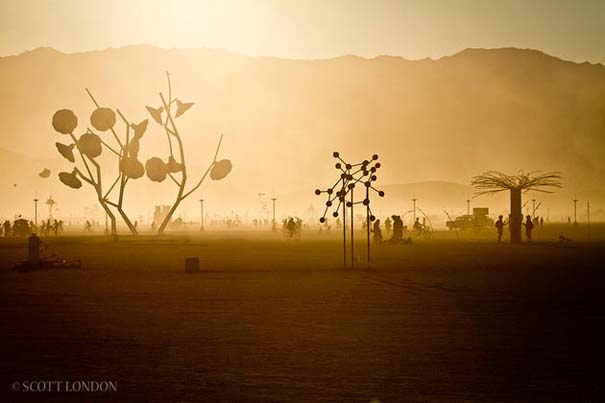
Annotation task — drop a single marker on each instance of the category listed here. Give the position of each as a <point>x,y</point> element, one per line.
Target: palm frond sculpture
<point>491,182</point>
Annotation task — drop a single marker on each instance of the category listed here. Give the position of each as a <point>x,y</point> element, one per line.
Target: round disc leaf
<point>220,170</point>
<point>65,121</point>
<point>132,168</point>
<point>90,145</point>
<point>156,169</point>
<point>70,179</point>
<point>103,119</point>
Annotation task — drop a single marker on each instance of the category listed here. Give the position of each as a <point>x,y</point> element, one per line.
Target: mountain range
<point>447,119</point>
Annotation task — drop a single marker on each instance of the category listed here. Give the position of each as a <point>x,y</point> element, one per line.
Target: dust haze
<point>431,121</point>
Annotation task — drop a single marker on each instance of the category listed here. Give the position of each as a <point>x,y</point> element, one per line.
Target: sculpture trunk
<point>179,196</point>
<point>112,218</point>
<point>131,227</point>
<point>515,216</point>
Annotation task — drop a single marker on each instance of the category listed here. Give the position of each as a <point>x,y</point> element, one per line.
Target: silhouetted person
<point>500,227</point>
<point>529,226</point>
<point>7,228</point>
<point>417,225</point>
<point>299,224</point>
<point>388,227</point>
<point>291,227</point>
<point>397,229</point>
<point>541,221</point>
<point>377,232</point>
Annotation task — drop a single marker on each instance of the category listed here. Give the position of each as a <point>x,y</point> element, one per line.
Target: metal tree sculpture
<point>350,175</point>
<point>90,146</point>
<point>492,182</point>
<point>157,170</point>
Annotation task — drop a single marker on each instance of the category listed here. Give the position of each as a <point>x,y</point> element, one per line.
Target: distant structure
<point>492,182</point>
<point>160,213</point>
<point>311,213</point>
<point>50,202</point>
<point>363,173</point>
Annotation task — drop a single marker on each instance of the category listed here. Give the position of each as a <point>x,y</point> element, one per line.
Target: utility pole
<point>468,206</point>
<point>106,224</point>
<point>575,205</point>
<point>50,202</point>
<point>533,213</point>
<point>202,215</point>
<point>414,203</point>
<point>274,227</point>
<point>36,212</point>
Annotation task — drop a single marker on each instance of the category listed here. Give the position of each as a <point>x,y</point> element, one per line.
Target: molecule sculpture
<point>341,194</point>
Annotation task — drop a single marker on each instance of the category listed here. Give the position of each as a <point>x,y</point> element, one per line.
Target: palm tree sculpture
<point>492,182</point>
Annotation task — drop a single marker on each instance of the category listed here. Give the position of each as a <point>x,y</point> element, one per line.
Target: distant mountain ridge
<point>49,50</point>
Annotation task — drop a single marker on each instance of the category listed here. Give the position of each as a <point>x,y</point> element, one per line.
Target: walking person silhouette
<point>529,226</point>
<point>500,227</point>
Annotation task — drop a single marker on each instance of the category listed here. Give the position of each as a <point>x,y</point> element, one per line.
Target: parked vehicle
<point>477,221</point>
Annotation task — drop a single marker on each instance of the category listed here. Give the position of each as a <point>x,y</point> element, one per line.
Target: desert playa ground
<point>270,320</point>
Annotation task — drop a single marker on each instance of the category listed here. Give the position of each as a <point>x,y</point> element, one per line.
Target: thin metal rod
<point>588,217</point>
<point>202,215</point>
<point>368,223</point>
<point>344,228</point>
<point>352,235</point>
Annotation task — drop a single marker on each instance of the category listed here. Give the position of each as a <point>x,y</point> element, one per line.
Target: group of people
<point>51,227</point>
<point>394,230</point>
<point>21,227</point>
<point>292,227</point>
<point>18,228</point>
<point>528,223</point>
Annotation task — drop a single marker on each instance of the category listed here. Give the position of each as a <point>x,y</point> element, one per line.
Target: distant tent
<point>311,213</point>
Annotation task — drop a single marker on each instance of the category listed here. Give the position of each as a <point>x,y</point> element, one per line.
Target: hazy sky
<point>571,29</point>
